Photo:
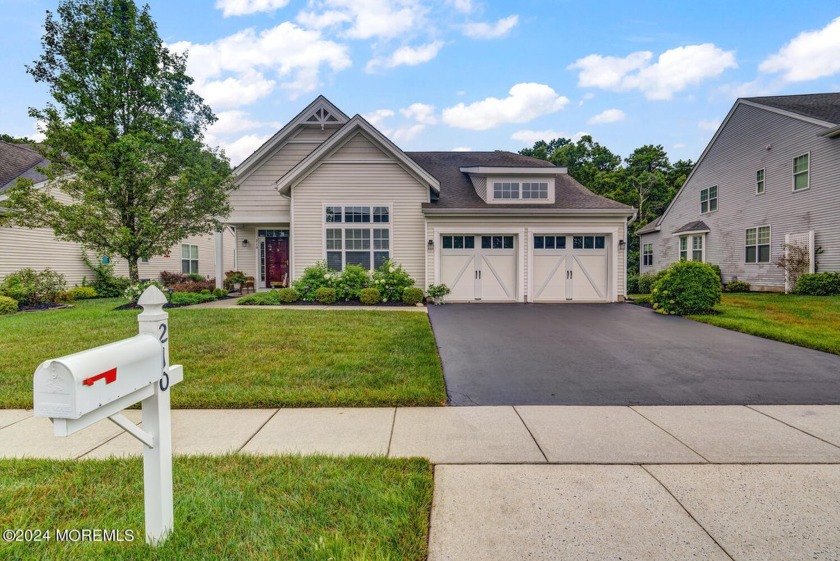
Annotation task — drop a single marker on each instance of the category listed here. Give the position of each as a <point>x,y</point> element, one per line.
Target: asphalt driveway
<point>618,354</point>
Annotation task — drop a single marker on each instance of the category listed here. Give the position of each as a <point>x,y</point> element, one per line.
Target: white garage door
<point>479,267</point>
<point>570,267</point>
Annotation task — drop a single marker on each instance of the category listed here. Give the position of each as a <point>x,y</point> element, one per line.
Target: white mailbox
<point>77,384</point>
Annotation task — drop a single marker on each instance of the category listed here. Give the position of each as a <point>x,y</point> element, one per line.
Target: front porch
<point>261,251</point>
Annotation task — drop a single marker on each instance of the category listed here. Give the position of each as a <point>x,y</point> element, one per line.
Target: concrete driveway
<point>618,354</point>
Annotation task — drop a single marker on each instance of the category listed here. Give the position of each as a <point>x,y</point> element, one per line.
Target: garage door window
<point>458,242</point>
<point>549,242</point>
<point>496,242</point>
<point>588,242</point>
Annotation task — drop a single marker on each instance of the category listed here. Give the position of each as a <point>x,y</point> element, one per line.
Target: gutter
<point>529,211</point>
<point>832,132</point>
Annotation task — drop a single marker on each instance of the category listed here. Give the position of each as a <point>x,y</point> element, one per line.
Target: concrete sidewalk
<point>553,482</point>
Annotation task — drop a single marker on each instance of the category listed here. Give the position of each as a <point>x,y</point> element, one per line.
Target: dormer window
<point>514,185</point>
<point>505,190</point>
<point>535,190</point>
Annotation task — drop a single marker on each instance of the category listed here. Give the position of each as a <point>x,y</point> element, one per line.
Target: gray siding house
<point>769,176</point>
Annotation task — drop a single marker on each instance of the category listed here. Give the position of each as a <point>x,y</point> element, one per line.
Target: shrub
<point>438,291</point>
<point>716,268</point>
<point>134,291</point>
<point>325,295</point>
<point>633,284</point>
<point>314,277</point>
<point>645,283</point>
<point>82,292</point>
<point>737,286</point>
<point>233,277</point>
<point>195,277</point>
<point>412,295</point>
<point>194,286</point>
<point>168,278</point>
<point>391,279</point>
<point>350,283</point>
<point>642,299</point>
<point>369,296</point>
<point>288,295</point>
<point>106,284</point>
<point>8,305</point>
<point>190,298</point>
<point>31,288</point>
<point>686,287</point>
<point>818,284</point>
<point>220,292</point>
<point>205,291</point>
<point>270,298</point>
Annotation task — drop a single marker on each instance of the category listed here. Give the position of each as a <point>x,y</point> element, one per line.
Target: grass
<point>229,507</point>
<point>241,358</point>
<point>807,321</point>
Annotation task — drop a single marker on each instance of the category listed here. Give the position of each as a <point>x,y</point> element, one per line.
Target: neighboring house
<point>769,176</point>
<point>39,249</point>
<point>493,226</point>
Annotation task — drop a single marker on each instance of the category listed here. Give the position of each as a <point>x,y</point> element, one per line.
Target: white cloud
<point>245,7</point>
<point>462,149</point>
<point>709,125</point>
<point>526,101</point>
<point>485,30</point>
<point>420,112</point>
<point>366,19</point>
<point>409,56</point>
<point>808,56</point>
<point>377,117</point>
<point>407,132</point>
<point>463,6</point>
<point>608,116</point>
<point>529,137</point>
<point>243,147</point>
<point>674,70</point>
<point>230,122</point>
<point>231,71</point>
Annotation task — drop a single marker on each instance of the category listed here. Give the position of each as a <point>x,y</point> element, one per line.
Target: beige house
<point>493,226</point>
<point>39,249</point>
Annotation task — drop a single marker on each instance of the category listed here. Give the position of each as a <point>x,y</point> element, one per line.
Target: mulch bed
<point>43,306</point>
<point>134,306</point>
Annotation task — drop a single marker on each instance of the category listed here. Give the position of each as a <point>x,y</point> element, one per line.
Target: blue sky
<point>471,74</point>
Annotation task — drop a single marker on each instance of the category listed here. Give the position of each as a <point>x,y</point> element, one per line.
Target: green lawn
<point>807,321</point>
<point>244,358</point>
<point>228,507</point>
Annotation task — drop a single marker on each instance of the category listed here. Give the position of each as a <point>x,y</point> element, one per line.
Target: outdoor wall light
<point>431,245</point>
<point>244,243</point>
<point>621,244</point>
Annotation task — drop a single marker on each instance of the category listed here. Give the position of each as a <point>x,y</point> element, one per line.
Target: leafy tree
<point>124,137</point>
<point>15,139</point>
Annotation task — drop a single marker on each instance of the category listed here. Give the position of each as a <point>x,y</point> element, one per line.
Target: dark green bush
<point>270,298</point>
<point>686,287</point>
<point>646,282</point>
<point>818,284</point>
<point>190,298</point>
<point>642,299</point>
<point>195,277</point>
<point>106,284</point>
<point>82,292</point>
<point>716,269</point>
<point>412,295</point>
<point>391,279</point>
<point>314,277</point>
<point>737,286</point>
<point>8,305</point>
<point>369,296</point>
<point>325,295</point>
<point>633,284</point>
<point>205,291</point>
<point>31,288</point>
<point>288,295</point>
<point>350,282</point>
<point>220,292</point>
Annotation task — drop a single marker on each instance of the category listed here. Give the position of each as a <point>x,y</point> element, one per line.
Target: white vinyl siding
<point>801,172</point>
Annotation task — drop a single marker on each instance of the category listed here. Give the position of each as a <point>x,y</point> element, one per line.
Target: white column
<point>220,258</point>
<point>157,460</point>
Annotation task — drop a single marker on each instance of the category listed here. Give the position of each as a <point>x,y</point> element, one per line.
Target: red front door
<point>276,261</point>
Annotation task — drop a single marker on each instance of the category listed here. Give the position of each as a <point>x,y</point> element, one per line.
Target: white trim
<point>709,199</point>
<point>357,123</point>
<point>529,212</point>
<point>257,241</point>
<point>488,170</point>
<point>468,229</point>
<point>689,233</point>
<point>794,173</point>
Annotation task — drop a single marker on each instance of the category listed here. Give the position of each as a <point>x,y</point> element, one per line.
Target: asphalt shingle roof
<point>18,160</point>
<point>649,227</point>
<point>457,191</point>
<point>822,106</point>
<point>696,226</point>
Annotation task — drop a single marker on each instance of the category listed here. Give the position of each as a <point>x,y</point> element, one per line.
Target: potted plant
<point>234,280</point>
<point>437,292</point>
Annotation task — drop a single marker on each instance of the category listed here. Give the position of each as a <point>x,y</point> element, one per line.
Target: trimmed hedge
<point>412,296</point>
<point>288,295</point>
<point>818,284</point>
<point>369,296</point>
<point>686,287</point>
<point>270,298</point>
<point>190,298</point>
<point>8,305</point>
<point>325,295</point>
<point>82,292</point>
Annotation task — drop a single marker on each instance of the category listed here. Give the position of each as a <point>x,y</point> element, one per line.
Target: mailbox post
<point>78,390</point>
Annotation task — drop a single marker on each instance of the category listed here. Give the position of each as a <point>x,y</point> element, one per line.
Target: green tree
<point>124,137</point>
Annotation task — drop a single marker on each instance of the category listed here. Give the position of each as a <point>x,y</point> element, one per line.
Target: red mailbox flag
<point>109,375</point>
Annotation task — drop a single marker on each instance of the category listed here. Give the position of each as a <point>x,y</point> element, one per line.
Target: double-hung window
<point>647,255</point>
<point>709,200</point>
<point>759,182</point>
<point>691,248</point>
<point>757,245</point>
<point>683,248</point>
<point>357,235</point>
<point>189,258</point>
<point>801,172</point>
